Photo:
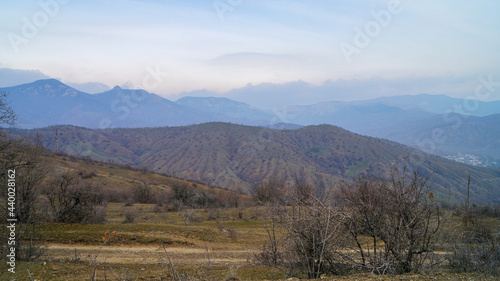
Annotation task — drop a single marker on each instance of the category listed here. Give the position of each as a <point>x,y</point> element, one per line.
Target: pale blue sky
<point>258,41</point>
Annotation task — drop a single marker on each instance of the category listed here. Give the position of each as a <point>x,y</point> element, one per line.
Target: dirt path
<point>147,254</point>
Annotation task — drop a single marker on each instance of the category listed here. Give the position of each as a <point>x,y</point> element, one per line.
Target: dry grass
<point>232,237</point>
<point>135,253</point>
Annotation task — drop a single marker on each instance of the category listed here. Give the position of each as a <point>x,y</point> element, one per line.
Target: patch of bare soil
<point>144,254</point>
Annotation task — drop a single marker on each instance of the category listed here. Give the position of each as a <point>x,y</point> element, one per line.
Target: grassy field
<point>205,244</point>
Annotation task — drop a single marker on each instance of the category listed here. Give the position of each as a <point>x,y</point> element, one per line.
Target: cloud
<point>272,95</point>
<point>258,42</point>
<point>13,77</point>
<point>249,59</point>
<point>90,87</point>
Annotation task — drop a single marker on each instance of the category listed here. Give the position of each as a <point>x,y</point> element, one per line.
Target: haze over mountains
<point>143,129</point>
<point>433,123</point>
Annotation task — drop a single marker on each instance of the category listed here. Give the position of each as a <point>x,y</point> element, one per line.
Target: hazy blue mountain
<point>359,117</point>
<point>455,134</point>
<point>440,104</point>
<point>410,120</point>
<point>228,107</point>
<point>138,108</point>
<point>50,102</point>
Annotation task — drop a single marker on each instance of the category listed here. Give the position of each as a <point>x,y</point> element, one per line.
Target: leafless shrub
<point>213,214</point>
<point>302,192</point>
<point>272,253</point>
<point>117,195</point>
<point>315,235</point>
<point>86,174</point>
<point>73,200</point>
<point>205,199</point>
<point>189,216</point>
<point>327,235</point>
<point>162,197</point>
<point>476,248</point>
<point>239,214</point>
<point>130,215</point>
<point>7,115</point>
<point>401,218</point>
<point>182,194</point>
<point>231,233</point>
<point>22,159</point>
<point>475,257</point>
<point>99,215</point>
<point>230,200</point>
<point>156,209</point>
<point>143,193</point>
<point>269,191</point>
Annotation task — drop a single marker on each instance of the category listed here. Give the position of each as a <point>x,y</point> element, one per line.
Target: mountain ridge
<point>235,156</point>
<point>406,119</point>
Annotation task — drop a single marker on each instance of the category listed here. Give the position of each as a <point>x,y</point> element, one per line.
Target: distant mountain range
<point>236,157</point>
<point>434,123</point>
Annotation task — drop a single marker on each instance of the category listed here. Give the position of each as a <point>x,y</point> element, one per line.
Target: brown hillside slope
<point>235,157</point>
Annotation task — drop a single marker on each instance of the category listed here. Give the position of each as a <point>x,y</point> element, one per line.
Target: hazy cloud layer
<point>272,96</point>
<point>201,46</point>
<point>14,77</point>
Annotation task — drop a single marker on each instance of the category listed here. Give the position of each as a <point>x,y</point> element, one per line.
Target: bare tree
<point>182,194</point>
<point>7,115</point>
<point>9,154</point>
<point>328,234</point>
<point>401,217</point>
<point>74,200</point>
<point>473,246</point>
<point>270,191</point>
<point>22,159</point>
<point>313,234</point>
<point>302,192</point>
<point>143,193</point>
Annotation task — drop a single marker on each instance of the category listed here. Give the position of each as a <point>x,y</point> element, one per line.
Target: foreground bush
<point>401,218</point>
<point>476,249</point>
<point>75,200</point>
<point>380,226</point>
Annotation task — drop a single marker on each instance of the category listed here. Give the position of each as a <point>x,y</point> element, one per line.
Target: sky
<point>365,48</point>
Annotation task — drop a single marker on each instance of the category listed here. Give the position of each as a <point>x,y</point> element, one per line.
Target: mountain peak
<point>48,82</point>
<point>50,88</point>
